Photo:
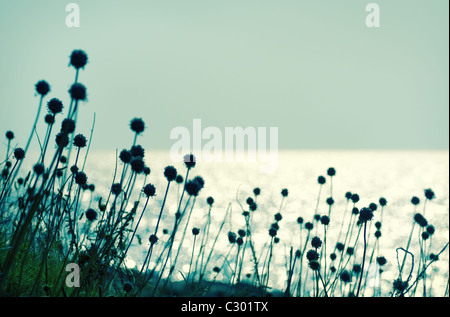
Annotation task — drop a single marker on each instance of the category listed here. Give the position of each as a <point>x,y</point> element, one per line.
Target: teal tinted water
<point>395,175</point>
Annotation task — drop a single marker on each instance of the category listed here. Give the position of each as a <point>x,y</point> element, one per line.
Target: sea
<point>396,175</point>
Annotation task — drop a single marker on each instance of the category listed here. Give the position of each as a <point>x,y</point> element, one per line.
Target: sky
<point>313,69</point>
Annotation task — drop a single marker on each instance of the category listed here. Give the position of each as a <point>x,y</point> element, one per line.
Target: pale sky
<point>311,68</point>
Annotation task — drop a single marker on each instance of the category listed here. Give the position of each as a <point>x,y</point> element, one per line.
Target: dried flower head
<point>91,214</point>
<point>137,125</point>
<point>78,59</point>
<point>149,190</point>
<point>78,91</point>
<point>39,169</point>
<point>420,220</point>
<point>49,119</point>
<point>355,198</point>
<point>179,179</point>
<point>382,201</point>
<point>312,255</point>
<point>42,88</point>
<point>137,165</point>
<point>19,153</point>
<point>415,200</point>
<point>316,242</point>
<point>153,239</point>
<point>231,237</point>
<point>257,191</point>
<point>9,135</point>
<point>170,173</point>
<point>365,214</point>
<point>125,156</point>
<point>345,277</point>
<point>309,226</point>
<point>321,180</point>
<point>62,139</point>
<point>278,216</point>
<point>80,178</point>
<point>68,126</point>
<point>381,260</point>
<point>284,192</point>
<point>116,189</point>
<point>429,194</point>
<point>210,201</point>
<point>79,141</point>
<point>331,171</point>
<point>137,150</point>
<point>55,106</point>
<point>195,231</point>
<point>189,160</point>
<point>192,188</point>
<point>330,201</point>
<point>325,220</point>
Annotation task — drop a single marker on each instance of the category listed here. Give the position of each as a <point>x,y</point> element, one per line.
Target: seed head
<point>62,139</point>
<point>321,180</point>
<point>348,195</point>
<point>137,165</point>
<point>78,92</point>
<point>355,198</point>
<point>381,260</point>
<point>125,156</point>
<point>68,126</point>
<point>189,160</point>
<point>137,150</point>
<point>137,125</point>
<point>78,59</point>
<point>325,220</point>
<point>382,202</point>
<point>429,194</point>
<point>309,226</point>
<point>91,214</point>
<point>39,169</point>
<point>331,171</point>
<point>314,265</point>
<point>299,220</point>
<point>79,141</point>
<point>179,179</point>
<point>316,242</point>
<point>153,239</point>
<point>373,206</point>
<point>19,153</point>
<point>195,231</point>
<point>49,119</point>
<point>42,88</point>
<point>365,214</point>
<point>257,191</point>
<point>116,188</point>
<point>9,135</point>
<point>415,200</point>
<point>330,201</point>
<point>284,192</point>
<point>55,106</point>
<point>345,277</point>
<point>80,178</point>
<point>278,217</point>
<point>231,237</point>
<point>192,188</point>
<point>210,201</point>
<point>420,220</point>
<point>149,190</point>
<point>312,255</point>
<point>170,173</point>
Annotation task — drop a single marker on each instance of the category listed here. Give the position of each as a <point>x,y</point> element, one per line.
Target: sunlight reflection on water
<point>394,175</point>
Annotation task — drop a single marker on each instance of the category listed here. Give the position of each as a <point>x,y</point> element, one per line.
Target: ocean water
<point>395,175</point>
